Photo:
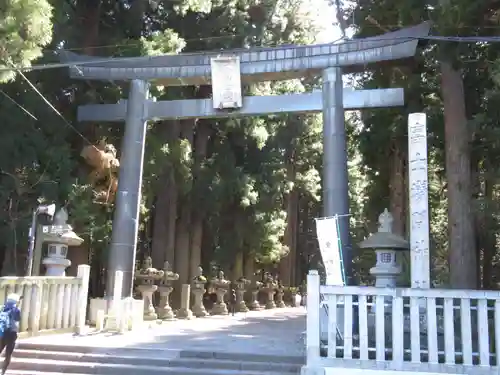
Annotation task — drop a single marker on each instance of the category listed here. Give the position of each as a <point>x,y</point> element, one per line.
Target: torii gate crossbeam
<point>256,65</point>
<point>252,106</point>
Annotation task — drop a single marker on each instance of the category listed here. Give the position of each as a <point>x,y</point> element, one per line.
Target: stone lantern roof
<point>384,238</point>
<point>61,232</point>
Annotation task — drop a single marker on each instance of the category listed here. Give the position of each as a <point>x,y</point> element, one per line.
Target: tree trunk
<point>398,189</point>
<point>89,15</point>
<point>249,266</point>
<point>237,269</point>
<point>182,244</point>
<point>302,256</point>
<point>184,221</point>
<point>137,11</point>
<point>89,11</point>
<point>207,244</point>
<point>195,244</point>
<point>286,266</point>
<point>462,253</point>
<point>294,224</point>
<point>202,137</point>
<point>165,214</point>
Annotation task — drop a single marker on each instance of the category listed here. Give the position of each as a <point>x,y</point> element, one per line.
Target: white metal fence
<point>50,303</point>
<point>396,329</point>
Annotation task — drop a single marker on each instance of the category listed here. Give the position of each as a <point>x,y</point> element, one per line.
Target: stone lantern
<point>164,310</point>
<point>198,289</point>
<point>221,287</point>
<point>241,284</point>
<point>280,292</point>
<point>146,278</point>
<point>59,237</point>
<point>386,245</point>
<point>255,289</point>
<point>270,287</point>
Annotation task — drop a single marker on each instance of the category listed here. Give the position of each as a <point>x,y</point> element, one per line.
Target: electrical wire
<point>18,105</point>
<point>52,107</point>
<point>33,87</point>
<point>138,43</point>
<point>132,44</point>
<point>402,39</point>
<point>20,70</point>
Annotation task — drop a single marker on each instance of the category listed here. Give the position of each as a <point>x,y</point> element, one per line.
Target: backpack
<point>5,321</point>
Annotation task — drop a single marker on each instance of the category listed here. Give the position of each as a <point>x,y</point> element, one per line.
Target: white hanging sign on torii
<point>226,82</point>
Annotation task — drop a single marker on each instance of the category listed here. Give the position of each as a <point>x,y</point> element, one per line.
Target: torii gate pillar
<point>335,174</point>
<point>128,197</point>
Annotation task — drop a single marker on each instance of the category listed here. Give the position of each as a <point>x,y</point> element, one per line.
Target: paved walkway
<point>274,332</point>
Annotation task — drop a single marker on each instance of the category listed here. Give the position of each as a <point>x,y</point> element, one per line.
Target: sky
<point>325,13</point>
<point>326,17</point>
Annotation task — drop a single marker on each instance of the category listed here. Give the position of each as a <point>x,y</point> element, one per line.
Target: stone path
<point>274,332</point>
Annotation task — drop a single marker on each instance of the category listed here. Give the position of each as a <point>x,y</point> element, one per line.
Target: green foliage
<point>25,28</point>
<point>92,222</point>
<point>382,130</point>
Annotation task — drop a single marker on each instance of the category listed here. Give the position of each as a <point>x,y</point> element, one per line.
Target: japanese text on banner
<point>329,246</point>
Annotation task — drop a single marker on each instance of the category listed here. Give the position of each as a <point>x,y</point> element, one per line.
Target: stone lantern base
<point>103,305</point>
<point>56,266</point>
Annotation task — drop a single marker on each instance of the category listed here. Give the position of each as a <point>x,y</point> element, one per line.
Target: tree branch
<point>340,18</point>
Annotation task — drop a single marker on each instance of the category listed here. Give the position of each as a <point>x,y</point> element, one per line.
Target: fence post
<point>36,307</point>
<point>117,310</point>
<point>313,324</point>
<point>84,275</point>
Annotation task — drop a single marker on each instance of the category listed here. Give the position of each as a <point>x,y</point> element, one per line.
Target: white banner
<point>329,246</point>
<point>419,200</point>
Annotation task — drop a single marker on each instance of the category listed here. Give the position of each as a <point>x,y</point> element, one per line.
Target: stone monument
<point>185,312</point>
<point>418,186</point>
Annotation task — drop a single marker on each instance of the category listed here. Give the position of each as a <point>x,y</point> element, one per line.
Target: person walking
<point>232,302</point>
<point>10,316</point>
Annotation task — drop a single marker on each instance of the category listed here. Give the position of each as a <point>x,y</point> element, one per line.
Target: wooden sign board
<point>226,82</point>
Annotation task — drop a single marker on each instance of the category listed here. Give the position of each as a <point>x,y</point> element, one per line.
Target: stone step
<point>56,347</point>
<point>250,357</point>
<point>164,353</point>
<point>48,366</point>
<point>31,372</point>
<point>154,358</point>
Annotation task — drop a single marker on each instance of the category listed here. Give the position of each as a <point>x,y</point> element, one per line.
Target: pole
<point>128,198</point>
<point>37,251</point>
<point>31,243</point>
<point>335,177</point>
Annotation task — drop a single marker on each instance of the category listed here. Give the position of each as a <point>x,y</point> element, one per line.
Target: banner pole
<point>342,267</point>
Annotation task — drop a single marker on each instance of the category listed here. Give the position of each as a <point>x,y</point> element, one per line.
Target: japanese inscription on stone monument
<point>419,205</point>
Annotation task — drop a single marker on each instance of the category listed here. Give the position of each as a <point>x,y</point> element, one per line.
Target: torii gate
<point>251,65</point>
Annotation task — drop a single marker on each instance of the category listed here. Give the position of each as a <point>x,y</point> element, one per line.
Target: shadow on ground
<point>277,333</point>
